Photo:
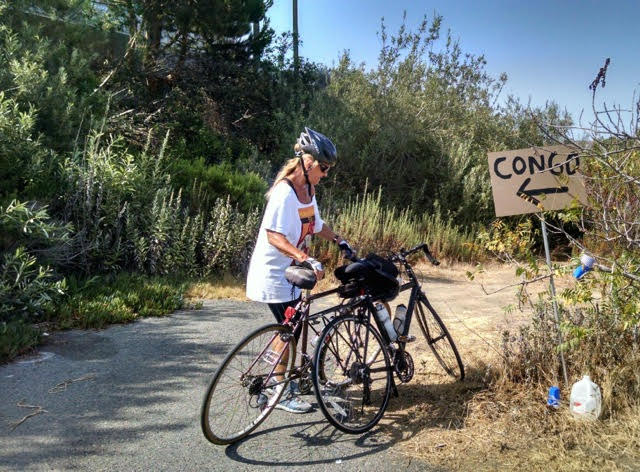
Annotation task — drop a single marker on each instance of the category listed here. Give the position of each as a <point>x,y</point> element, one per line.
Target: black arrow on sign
<point>529,195</point>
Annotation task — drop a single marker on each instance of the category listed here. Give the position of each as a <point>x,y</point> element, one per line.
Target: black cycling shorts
<point>278,310</point>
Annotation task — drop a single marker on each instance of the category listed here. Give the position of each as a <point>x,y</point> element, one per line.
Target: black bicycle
<point>353,363</point>
<point>357,354</point>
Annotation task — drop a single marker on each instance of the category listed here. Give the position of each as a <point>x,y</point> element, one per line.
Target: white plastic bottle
<point>398,319</point>
<point>383,315</point>
<point>585,400</point>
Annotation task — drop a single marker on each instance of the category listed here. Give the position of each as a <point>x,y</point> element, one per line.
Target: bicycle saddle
<point>299,276</point>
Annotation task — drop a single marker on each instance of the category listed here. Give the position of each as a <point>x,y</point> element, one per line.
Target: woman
<point>289,221</point>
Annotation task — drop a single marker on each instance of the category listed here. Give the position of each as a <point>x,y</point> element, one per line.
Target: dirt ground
<point>468,425</point>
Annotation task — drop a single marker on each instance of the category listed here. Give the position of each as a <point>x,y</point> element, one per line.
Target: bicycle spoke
<point>236,401</point>
<point>439,340</point>
<point>351,397</point>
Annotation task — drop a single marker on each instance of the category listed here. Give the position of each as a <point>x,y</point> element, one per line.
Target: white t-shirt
<point>284,214</point>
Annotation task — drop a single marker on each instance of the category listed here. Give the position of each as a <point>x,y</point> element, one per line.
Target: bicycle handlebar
<point>424,248</point>
<point>420,247</point>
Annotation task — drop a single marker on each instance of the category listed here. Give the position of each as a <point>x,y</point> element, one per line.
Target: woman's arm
<point>282,244</point>
<point>327,233</point>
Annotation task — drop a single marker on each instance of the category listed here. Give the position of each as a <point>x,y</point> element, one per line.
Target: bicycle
<point>247,378</point>
<point>356,358</point>
<point>249,371</point>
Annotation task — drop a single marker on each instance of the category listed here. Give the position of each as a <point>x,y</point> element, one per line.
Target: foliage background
<point>137,140</point>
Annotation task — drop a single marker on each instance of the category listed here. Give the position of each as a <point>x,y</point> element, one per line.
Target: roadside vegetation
<point>136,148</point>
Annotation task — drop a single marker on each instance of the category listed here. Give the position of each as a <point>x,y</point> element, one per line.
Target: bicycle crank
<point>403,364</point>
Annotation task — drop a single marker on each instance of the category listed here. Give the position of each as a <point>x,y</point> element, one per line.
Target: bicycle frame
<point>304,319</point>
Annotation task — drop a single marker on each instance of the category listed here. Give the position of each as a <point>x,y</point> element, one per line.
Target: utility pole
<point>296,59</point>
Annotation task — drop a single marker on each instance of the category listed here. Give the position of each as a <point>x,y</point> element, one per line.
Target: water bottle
<point>586,264</point>
<point>553,399</point>
<point>383,316</point>
<point>398,319</point>
<point>586,400</point>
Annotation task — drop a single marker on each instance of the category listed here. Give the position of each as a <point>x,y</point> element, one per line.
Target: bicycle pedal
<point>406,339</point>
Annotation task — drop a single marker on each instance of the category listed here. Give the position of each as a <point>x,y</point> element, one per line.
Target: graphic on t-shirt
<point>307,220</point>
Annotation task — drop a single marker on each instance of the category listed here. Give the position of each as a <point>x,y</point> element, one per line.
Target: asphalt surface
<point>128,398</point>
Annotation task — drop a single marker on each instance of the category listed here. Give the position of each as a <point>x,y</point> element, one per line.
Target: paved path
<point>128,398</point>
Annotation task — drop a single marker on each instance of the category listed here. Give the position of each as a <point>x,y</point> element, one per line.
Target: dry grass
<point>217,288</point>
<point>487,422</point>
<point>507,427</point>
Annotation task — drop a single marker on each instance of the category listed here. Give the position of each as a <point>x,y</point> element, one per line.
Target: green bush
<point>30,225</point>
<point>26,288</point>
<point>17,337</point>
<point>21,155</point>
<point>207,183</point>
<point>127,216</point>
<point>50,66</point>
<point>101,301</point>
<point>27,284</point>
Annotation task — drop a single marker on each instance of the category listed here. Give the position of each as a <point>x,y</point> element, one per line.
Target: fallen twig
<point>38,410</point>
<point>524,282</point>
<point>62,386</point>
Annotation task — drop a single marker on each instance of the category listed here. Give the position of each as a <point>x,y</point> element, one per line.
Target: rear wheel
<point>438,339</point>
<point>238,398</point>
<point>352,374</point>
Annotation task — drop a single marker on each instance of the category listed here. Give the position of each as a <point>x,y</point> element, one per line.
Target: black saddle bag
<point>374,275</point>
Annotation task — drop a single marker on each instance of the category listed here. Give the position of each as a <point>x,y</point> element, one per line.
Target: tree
<point>175,31</point>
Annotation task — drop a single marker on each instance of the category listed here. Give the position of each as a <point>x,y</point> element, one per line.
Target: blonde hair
<point>288,168</point>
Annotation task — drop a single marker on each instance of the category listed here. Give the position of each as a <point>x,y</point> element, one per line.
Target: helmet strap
<point>306,176</point>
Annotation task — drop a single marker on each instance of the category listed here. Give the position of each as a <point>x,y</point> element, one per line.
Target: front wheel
<point>352,374</point>
<point>439,340</point>
<point>246,387</point>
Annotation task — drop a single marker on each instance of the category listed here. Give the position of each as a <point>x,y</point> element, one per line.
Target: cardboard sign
<point>535,179</point>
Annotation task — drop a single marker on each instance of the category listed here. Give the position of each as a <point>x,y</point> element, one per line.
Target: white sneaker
<point>294,405</point>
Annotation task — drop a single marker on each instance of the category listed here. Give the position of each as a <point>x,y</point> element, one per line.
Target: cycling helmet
<point>318,145</point>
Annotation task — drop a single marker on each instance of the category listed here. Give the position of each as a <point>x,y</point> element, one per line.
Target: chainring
<point>304,384</point>
<point>403,364</point>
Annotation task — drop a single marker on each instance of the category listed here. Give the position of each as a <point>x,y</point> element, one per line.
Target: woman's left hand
<point>318,269</point>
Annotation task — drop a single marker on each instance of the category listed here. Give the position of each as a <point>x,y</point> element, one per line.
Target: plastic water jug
<point>586,399</point>
<point>398,319</point>
<point>383,315</point>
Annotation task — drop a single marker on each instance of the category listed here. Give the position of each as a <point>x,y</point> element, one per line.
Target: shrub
<point>127,215</point>
<point>26,288</point>
<point>21,155</point>
<point>17,337</point>
<point>204,184</point>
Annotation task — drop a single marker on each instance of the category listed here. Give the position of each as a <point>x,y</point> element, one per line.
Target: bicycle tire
<point>221,412</point>
<point>343,383</point>
<point>438,339</point>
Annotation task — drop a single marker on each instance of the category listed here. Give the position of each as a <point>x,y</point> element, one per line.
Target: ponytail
<point>288,168</point>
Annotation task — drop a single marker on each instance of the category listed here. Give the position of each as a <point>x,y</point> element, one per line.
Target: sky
<point>550,50</point>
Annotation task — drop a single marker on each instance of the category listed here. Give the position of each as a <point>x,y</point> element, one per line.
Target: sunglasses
<point>324,167</point>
